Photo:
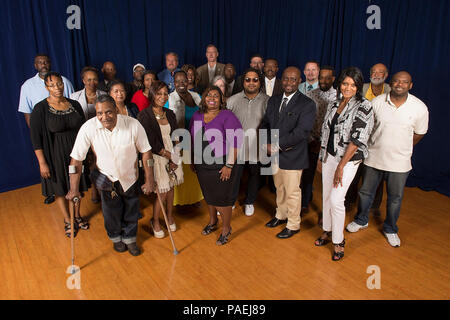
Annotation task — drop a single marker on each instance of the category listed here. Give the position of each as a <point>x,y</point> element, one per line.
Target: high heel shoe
<point>209,228</point>
<point>223,239</point>
<point>158,234</point>
<point>338,255</point>
<point>321,241</point>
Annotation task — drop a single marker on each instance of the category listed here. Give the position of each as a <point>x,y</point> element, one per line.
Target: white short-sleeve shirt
<point>116,150</point>
<point>391,143</point>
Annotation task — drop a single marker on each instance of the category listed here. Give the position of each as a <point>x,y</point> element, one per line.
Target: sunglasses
<point>256,80</point>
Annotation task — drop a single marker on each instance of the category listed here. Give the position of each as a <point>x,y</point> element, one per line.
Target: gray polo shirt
<point>250,113</point>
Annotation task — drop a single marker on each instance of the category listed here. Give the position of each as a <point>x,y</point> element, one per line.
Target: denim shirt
<point>355,124</point>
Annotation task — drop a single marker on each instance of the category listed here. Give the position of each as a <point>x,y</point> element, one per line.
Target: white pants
<point>334,198</point>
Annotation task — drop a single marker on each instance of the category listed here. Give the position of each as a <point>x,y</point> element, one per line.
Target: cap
<point>138,65</point>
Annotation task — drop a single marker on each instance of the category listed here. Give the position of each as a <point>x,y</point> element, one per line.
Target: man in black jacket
<point>293,114</point>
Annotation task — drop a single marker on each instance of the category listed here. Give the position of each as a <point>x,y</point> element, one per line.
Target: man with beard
<point>249,106</point>
<point>322,96</point>
<point>293,114</point>
<point>257,63</point>
<point>378,74</point>
<point>109,74</point>
<point>33,91</point>
<point>271,85</point>
<point>311,73</point>
<point>401,115</point>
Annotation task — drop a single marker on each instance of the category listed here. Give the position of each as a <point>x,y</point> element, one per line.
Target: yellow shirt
<point>369,94</point>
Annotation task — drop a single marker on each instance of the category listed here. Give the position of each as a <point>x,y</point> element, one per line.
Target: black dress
<point>55,132</point>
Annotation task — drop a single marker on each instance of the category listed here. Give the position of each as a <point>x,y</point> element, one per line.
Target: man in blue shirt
<point>167,74</point>
<point>311,73</point>
<point>33,90</point>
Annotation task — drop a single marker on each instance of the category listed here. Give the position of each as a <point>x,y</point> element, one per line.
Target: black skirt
<point>217,193</point>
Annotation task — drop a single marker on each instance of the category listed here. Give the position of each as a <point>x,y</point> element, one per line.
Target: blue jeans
<point>395,186</point>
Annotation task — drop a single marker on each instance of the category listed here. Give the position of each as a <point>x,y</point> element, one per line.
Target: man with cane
<point>115,140</point>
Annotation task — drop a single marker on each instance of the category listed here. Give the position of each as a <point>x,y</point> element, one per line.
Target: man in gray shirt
<point>249,106</point>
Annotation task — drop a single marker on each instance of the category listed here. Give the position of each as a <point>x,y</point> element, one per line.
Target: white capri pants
<point>334,198</point>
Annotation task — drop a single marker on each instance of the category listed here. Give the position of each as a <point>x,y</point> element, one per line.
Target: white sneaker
<point>249,210</point>
<point>354,227</point>
<point>173,227</point>
<point>393,239</point>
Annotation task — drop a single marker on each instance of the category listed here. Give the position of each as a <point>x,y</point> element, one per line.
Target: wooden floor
<point>35,254</point>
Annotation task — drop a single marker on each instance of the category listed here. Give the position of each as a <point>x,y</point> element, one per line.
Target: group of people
<point>123,140</point>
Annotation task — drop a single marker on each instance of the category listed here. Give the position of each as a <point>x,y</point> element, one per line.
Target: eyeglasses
<point>248,80</point>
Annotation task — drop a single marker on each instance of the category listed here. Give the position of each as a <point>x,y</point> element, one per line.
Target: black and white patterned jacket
<point>355,124</point>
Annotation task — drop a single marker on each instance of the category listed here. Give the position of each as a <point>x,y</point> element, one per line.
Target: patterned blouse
<point>322,100</point>
<point>355,125</point>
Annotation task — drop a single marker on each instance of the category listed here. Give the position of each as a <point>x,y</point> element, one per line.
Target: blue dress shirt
<point>167,77</point>
<point>305,87</point>
<point>33,91</point>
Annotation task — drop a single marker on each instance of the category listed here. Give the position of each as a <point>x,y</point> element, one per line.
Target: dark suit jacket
<point>277,90</point>
<point>294,123</point>
<point>203,75</point>
<point>148,120</point>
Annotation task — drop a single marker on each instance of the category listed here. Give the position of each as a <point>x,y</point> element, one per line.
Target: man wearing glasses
<point>249,106</point>
<point>293,114</point>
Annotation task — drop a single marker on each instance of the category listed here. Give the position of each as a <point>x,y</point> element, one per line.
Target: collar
<point>245,96</point>
<point>288,97</point>
<point>389,101</point>
<point>118,123</point>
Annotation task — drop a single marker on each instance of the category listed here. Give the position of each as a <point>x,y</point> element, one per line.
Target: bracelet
<point>229,165</point>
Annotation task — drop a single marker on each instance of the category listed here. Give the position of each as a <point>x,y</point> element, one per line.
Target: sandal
<point>81,223</point>
<point>209,228</point>
<point>321,241</point>
<point>68,229</point>
<point>338,255</point>
<point>223,239</point>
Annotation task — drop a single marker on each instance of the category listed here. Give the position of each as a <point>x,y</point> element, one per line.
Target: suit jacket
<point>294,123</point>
<point>148,120</point>
<point>203,75</point>
<point>277,89</point>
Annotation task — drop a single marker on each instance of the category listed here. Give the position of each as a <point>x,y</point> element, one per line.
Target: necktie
<point>283,105</point>
<point>310,87</point>
<point>269,89</point>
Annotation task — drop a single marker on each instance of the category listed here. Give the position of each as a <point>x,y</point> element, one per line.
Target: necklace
<point>160,116</point>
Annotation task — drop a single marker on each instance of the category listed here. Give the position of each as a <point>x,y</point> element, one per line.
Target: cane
<point>72,213</point>
<point>175,251</point>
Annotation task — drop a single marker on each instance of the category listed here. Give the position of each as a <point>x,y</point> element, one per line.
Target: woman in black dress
<point>54,125</point>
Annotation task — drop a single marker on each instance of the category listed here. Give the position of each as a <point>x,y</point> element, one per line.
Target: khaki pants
<point>289,196</point>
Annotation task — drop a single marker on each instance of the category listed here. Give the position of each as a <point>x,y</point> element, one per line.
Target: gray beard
<point>376,82</point>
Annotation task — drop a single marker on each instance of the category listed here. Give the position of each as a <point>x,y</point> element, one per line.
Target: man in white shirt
<point>115,141</point>
<point>311,73</point>
<point>401,121</point>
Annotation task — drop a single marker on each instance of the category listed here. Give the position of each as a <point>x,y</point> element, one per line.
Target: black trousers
<point>121,213</point>
<point>254,180</point>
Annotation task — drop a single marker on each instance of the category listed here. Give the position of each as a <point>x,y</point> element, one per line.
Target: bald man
<point>401,121</point>
<point>293,114</point>
<point>109,74</point>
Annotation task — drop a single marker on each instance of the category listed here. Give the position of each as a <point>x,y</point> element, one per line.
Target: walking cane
<point>72,213</point>
<point>175,251</point>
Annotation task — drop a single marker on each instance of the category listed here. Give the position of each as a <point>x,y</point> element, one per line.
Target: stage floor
<point>35,255</point>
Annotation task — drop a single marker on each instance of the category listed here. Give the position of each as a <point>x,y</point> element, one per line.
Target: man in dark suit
<point>293,114</point>
<point>208,71</point>
<point>230,74</point>
<point>271,85</point>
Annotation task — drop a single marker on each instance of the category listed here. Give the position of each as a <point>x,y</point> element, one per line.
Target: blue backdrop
<point>414,36</point>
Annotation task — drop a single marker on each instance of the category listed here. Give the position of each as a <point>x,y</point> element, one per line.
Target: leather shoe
<point>275,222</point>
<point>49,199</point>
<point>120,246</point>
<point>133,249</point>
<point>287,233</point>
